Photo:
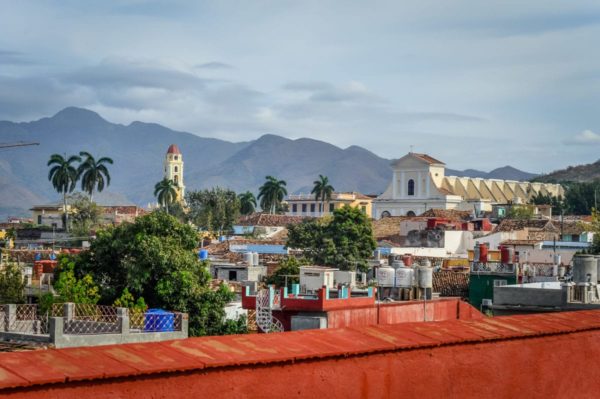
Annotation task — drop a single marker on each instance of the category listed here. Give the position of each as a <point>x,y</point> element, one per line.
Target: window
<point>385,214</point>
<point>575,238</point>
<point>176,157</point>
<point>303,208</point>
<point>499,283</point>
<point>312,207</point>
<point>294,208</point>
<point>176,179</point>
<point>39,219</point>
<point>363,209</point>
<point>232,275</point>
<point>176,170</point>
<point>411,187</point>
<point>410,214</point>
<point>331,207</point>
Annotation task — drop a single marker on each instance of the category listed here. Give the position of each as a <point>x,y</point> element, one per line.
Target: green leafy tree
<point>86,215</point>
<point>213,210</point>
<point>322,191</point>
<point>247,203</point>
<point>69,287</point>
<point>288,270</point>
<point>524,212</point>
<point>12,285</point>
<point>93,173</point>
<point>63,176</point>
<point>154,258</point>
<point>165,192</point>
<point>595,228</point>
<point>581,197</point>
<point>345,241</point>
<point>557,203</point>
<point>271,194</point>
<point>127,300</point>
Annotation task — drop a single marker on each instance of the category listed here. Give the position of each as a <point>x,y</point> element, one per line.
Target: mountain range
<point>580,173</point>
<point>138,150</point>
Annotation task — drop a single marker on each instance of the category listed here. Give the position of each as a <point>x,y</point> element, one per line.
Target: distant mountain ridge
<point>580,173</point>
<point>503,173</point>
<point>138,150</point>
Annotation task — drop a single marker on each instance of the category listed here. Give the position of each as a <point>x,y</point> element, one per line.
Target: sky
<point>476,84</point>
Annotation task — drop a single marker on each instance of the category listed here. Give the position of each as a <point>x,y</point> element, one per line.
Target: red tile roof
<point>266,219</point>
<point>428,159</point>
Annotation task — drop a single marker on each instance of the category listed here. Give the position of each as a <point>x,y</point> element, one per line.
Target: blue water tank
<point>203,254</point>
<point>38,256</point>
<point>52,256</point>
<point>158,320</point>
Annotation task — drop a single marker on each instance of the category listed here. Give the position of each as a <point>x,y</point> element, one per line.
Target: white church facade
<point>419,183</point>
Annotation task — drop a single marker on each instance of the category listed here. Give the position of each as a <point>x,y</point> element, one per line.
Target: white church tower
<point>174,169</point>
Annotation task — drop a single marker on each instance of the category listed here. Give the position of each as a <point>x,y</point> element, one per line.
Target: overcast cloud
<point>477,84</point>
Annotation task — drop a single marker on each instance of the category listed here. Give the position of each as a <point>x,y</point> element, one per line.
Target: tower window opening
<point>411,187</point>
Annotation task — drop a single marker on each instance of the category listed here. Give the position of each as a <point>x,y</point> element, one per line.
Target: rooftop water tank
<point>426,263</point>
<point>385,276</point>
<point>476,252</point>
<point>425,279</point>
<point>255,259</point>
<point>483,253</point>
<point>397,263</point>
<point>248,258</point>
<point>203,254</point>
<point>585,269</point>
<point>557,259</point>
<point>404,277</point>
<point>408,260</point>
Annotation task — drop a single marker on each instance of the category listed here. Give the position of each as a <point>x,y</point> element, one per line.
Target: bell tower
<point>174,169</point>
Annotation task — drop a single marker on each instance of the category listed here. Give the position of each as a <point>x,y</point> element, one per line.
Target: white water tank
<point>385,276</point>
<point>397,263</point>
<point>425,277</point>
<point>255,259</point>
<point>248,258</point>
<point>404,277</point>
<point>557,259</point>
<point>585,269</point>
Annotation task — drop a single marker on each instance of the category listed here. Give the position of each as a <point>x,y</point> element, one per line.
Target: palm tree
<point>94,174</point>
<point>166,192</point>
<point>247,203</point>
<point>271,194</point>
<point>63,176</point>
<point>322,190</point>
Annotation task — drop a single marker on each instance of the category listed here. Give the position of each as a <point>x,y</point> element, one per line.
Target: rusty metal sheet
<point>150,357</point>
<point>398,336</point>
<point>45,366</point>
<point>10,380</point>
<point>438,333</point>
<point>105,366</point>
<point>579,319</point>
<point>513,328</point>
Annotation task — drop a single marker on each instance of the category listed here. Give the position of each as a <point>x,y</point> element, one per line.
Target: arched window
<point>385,214</point>
<point>176,157</point>
<point>176,179</point>
<point>410,214</point>
<point>411,187</point>
<point>176,170</point>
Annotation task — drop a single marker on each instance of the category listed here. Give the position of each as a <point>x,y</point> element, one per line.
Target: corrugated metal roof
<point>76,364</point>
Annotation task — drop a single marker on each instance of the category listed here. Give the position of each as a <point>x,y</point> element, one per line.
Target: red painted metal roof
<point>75,364</point>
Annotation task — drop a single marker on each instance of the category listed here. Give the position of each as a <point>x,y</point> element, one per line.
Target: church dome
<point>173,149</point>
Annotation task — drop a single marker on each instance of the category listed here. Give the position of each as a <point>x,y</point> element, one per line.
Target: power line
<point>18,144</point>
